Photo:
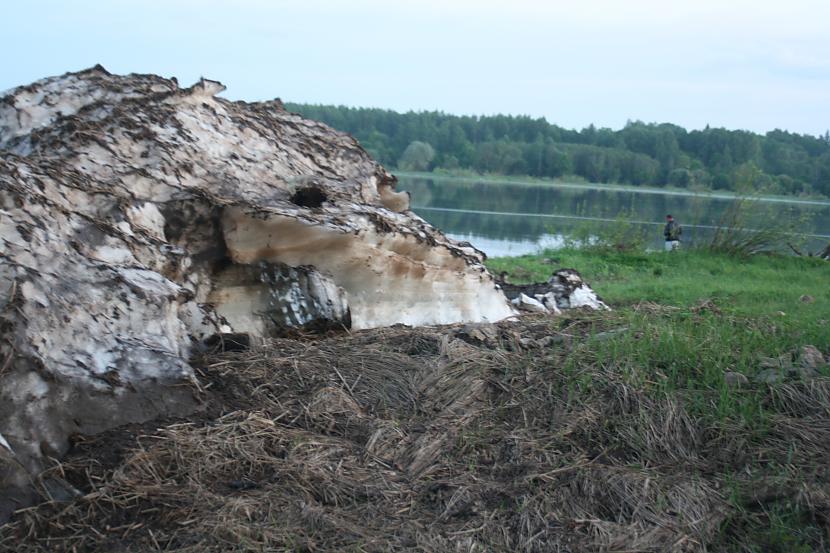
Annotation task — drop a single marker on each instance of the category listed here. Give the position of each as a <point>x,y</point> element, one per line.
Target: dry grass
<point>460,439</point>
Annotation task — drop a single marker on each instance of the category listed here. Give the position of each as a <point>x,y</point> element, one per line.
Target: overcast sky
<point>754,65</point>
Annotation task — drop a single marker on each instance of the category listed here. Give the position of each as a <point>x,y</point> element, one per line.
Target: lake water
<point>515,218</point>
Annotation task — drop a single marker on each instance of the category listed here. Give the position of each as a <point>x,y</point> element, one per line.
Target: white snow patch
<point>531,304</point>
<point>113,255</point>
<point>125,227</point>
<point>549,301</point>
<point>150,281</point>
<point>390,278</point>
<point>5,444</point>
<point>583,296</point>
<point>27,386</point>
<point>148,217</point>
<point>30,292</point>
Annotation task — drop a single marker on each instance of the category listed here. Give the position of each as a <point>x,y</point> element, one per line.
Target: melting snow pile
<point>138,218</point>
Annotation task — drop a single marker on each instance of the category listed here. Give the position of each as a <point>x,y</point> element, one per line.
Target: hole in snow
<point>235,341</point>
<point>308,197</point>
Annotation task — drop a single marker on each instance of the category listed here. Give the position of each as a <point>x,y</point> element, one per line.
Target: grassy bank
<point>725,337</point>
<point>755,285</point>
<point>693,316</point>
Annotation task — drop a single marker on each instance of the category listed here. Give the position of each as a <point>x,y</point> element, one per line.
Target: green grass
<point>691,316</point>
<point>683,320</point>
<point>751,286</point>
<point>686,318</point>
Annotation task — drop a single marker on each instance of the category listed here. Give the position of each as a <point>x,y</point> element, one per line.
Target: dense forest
<point>778,162</point>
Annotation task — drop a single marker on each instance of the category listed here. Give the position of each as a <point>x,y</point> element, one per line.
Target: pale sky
<point>739,64</point>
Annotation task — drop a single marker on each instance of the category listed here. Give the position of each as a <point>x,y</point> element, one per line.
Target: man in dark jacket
<point>672,232</point>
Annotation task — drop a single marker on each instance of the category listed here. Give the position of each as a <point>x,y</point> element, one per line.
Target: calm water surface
<point>518,218</point>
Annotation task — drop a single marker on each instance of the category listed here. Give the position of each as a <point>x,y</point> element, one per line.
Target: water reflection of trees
<point>524,201</point>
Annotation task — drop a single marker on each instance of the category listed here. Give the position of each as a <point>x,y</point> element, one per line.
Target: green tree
<point>640,153</point>
<point>416,157</point>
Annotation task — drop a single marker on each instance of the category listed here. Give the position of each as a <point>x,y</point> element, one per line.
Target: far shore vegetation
<point>640,154</point>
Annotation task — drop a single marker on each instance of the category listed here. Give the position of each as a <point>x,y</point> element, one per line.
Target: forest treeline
<point>778,162</point>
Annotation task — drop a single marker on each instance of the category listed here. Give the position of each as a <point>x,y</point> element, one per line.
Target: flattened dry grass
<point>519,436</point>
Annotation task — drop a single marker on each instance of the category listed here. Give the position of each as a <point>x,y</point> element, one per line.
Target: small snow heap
<point>564,290</point>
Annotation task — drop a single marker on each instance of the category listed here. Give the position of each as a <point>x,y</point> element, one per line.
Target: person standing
<point>672,232</point>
